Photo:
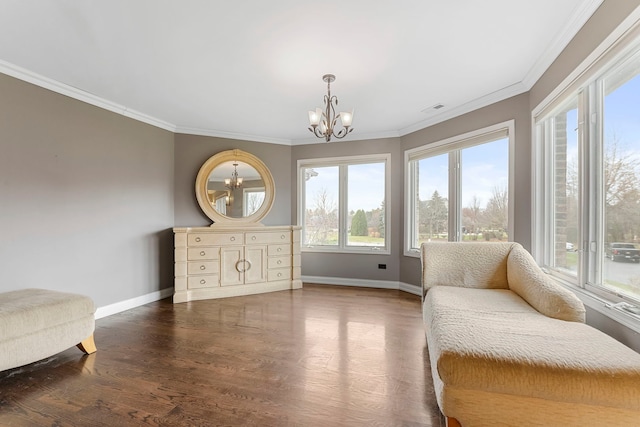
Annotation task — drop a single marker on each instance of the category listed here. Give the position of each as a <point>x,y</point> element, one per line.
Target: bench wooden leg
<point>88,345</point>
<point>452,422</point>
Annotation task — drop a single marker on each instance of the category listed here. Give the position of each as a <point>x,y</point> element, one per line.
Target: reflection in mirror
<point>235,189</point>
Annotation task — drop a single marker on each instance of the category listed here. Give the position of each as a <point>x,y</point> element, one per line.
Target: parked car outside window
<point>619,251</point>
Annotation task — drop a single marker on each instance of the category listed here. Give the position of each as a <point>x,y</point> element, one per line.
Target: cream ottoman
<point>38,323</point>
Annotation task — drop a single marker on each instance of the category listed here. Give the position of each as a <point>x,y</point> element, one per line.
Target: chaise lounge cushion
<point>494,341</point>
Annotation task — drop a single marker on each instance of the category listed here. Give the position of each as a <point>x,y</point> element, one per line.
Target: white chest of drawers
<point>224,262</point>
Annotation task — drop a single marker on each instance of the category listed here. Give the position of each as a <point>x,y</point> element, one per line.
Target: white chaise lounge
<point>509,347</point>
<point>38,323</point>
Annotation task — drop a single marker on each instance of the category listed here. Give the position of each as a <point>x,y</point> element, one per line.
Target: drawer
<point>279,262</point>
<point>203,267</point>
<point>197,282</point>
<point>278,274</point>
<point>257,237</point>
<point>284,249</point>
<point>204,253</point>
<point>214,239</point>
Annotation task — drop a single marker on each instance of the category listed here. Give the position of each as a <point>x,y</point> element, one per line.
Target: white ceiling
<point>251,69</point>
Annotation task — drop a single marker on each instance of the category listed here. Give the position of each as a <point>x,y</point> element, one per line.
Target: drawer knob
<point>279,249</point>
<point>202,253</point>
<point>198,239</point>
<point>279,261</point>
<point>233,238</point>
<point>202,281</point>
<point>253,237</point>
<point>202,267</point>
<point>283,236</point>
<point>279,274</point>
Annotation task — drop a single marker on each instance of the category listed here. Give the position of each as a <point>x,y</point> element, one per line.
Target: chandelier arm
<point>342,133</point>
<point>317,132</point>
<point>333,101</point>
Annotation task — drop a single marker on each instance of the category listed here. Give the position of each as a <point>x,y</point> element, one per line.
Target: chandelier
<point>235,181</point>
<point>323,123</point>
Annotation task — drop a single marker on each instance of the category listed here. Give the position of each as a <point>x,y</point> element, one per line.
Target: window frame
<point>345,162</point>
<point>448,146</point>
<point>587,83</point>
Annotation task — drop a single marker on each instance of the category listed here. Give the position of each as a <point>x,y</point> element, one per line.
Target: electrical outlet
<point>382,266</point>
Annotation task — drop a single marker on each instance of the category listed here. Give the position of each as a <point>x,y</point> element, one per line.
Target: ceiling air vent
<point>433,108</point>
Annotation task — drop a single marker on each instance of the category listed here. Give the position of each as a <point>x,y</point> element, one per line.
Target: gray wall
<point>86,197</point>
<point>192,151</point>
<point>356,266</point>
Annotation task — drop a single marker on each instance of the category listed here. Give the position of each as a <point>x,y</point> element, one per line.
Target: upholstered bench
<point>509,347</point>
<point>38,323</point>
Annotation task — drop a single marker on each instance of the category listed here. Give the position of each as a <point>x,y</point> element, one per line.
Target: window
<point>458,189</point>
<point>221,204</point>
<point>587,150</point>
<point>253,198</point>
<point>342,203</point>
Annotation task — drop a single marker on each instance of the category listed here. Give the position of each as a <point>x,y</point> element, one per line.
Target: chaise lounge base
<point>37,323</point>
<point>508,347</point>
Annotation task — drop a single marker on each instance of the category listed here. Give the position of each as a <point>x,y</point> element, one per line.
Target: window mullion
<point>412,191</point>
<point>585,190</point>
<point>552,191</point>
<point>343,205</point>
<point>596,213</point>
<point>549,191</point>
<point>454,195</point>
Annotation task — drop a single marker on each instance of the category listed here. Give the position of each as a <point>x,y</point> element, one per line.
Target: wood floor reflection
<point>319,356</point>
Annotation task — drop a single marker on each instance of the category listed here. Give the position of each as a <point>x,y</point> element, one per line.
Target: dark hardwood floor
<point>320,356</point>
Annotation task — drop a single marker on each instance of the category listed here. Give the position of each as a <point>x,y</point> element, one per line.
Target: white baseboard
<point>125,305</point>
<point>411,289</point>
<point>119,307</point>
<point>362,283</point>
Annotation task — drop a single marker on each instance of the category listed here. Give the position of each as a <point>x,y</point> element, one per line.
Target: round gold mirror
<point>235,187</point>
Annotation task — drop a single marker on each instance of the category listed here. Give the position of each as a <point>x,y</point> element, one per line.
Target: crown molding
<point>231,135</point>
<point>81,95</point>
<point>492,98</point>
<point>350,138</point>
<point>631,22</point>
<point>579,17</point>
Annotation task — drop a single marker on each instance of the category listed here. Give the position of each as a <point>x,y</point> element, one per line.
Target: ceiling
<point>252,69</point>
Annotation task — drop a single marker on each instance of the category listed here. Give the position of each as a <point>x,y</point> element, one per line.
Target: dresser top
<point>227,228</point>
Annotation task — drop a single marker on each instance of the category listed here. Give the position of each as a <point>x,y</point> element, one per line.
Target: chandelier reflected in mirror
<point>323,123</point>
<point>235,181</point>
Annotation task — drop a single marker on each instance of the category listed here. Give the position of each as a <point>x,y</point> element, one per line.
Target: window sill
<point>414,253</point>
<point>604,307</point>
<point>311,249</point>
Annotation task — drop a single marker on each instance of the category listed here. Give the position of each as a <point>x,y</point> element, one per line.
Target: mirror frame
<point>251,160</point>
